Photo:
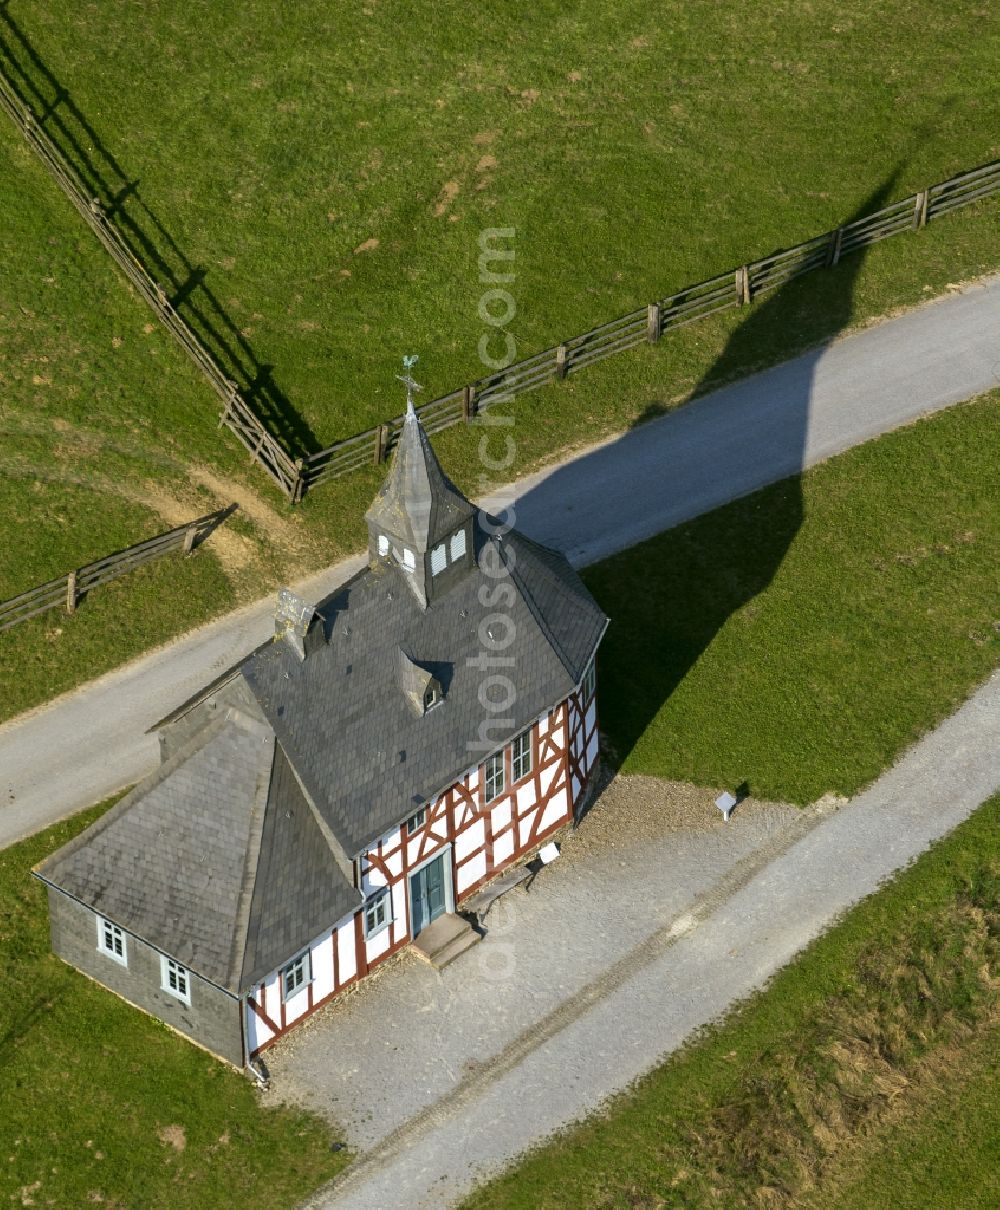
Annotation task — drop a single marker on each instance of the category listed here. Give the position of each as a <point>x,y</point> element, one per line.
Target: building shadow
<point>148,239</point>
<point>667,608</point>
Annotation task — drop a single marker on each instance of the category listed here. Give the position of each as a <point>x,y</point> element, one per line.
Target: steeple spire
<point>419,519</point>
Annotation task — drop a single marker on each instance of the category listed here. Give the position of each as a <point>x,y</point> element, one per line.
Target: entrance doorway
<point>430,891</point>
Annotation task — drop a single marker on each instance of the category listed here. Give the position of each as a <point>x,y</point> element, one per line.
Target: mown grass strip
<point>800,638</point>
<point>799,1081</point>
<point>101,1104</point>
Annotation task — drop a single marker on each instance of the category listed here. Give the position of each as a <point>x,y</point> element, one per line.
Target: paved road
<point>91,743</point>
<point>687,974</point>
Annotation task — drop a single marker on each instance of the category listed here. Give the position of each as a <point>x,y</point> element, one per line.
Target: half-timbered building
<point>388,754</point>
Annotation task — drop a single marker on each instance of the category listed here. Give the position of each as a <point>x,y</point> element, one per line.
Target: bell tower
<point>419,520</point>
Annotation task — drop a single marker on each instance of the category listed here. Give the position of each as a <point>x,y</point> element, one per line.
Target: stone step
<point>444,939</point>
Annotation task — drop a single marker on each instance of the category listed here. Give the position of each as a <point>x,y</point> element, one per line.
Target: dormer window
<point>432,695</point>
<point>409,561</point>
<point>457,545</point>
<point>439,559</point>
<point>383,545</point>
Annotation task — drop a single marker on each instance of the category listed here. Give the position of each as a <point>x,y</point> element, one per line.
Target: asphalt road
<point>684,976</point>
<point>90,743</point>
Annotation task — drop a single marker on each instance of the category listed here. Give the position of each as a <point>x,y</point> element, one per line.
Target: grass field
<point>863,1075</point>
<point>101,1104</point>
<point>228,153</point>
<point>331,179</point>
<point>800,638</point>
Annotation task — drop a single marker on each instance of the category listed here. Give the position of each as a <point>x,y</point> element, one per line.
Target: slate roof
<point>236,853</point>
<point>342,715</point>
<point>181,861</point>
<point>417,502</point>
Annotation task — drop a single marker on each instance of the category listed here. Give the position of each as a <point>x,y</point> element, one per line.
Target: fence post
<point>653,322</point>
<point>920,209</point>
<point>743,285</point>
<point>71,597</point>
<point>468,403</point>
<point>381,442</point>
<point>833,253</point>
<point>562,363</point>
<point>299,483</point>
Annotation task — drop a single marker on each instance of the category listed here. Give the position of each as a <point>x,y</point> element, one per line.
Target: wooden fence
<point>735,288</point>
<point>237,415</point>
<point>69,590</point>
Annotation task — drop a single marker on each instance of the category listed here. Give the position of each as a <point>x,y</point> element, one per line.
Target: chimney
<point>292,619</point>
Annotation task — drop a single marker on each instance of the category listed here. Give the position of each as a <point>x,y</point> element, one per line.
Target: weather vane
<point>407,379</point>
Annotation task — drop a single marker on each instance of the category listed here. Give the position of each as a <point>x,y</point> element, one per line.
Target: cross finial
<point>407,379</point>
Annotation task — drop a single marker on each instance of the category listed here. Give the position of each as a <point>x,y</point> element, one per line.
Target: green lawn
<point>100,1103</point>
<point>863,1075</point>
<point>801,637</point>
<point>331,178</point>
<point>233,151</point>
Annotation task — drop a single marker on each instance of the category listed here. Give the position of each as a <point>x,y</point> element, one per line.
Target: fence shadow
<point>666,610</point>
<point>148,239</point>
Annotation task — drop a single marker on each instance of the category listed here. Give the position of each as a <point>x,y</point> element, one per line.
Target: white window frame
<point>457,549</point>
<point>383,545</point>
<point>182,979</point>
<point>302,963</point>
<point>416,821</point>
<point>107,934</point>
<point>379,899</point>
<point>523,738</point>
<point>491,767</point>
<point>439,559</point>
<point>409,559</point>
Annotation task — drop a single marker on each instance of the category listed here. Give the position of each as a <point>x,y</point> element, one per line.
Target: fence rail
<point>237,415</point>
<point>736,288</point>
<point>68,590</point>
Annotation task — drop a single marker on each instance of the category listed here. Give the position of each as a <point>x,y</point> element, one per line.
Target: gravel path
<point>90,743</point>
<point>758,891</point>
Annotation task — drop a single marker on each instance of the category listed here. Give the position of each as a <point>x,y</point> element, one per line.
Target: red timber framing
<point>481,840</point>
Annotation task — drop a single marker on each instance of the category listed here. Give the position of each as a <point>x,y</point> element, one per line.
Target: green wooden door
<point>427,893</point>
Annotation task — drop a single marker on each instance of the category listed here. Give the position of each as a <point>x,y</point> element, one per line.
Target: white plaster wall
<point>399,929</point>
<point>321,956</point>
<point>471,839</point>
<point>547,777</point>
<point>378,944</point>
<point>471,872</point>
<point>557,809</point>
<point>296,1006</point>
<point>503,848</point>
<point>347,962</point>
<point>500,816</point>
<point>525,796</point>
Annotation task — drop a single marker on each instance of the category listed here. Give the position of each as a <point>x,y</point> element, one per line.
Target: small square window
<point>383,545</point>
<point>439,559</point>
<point>520,756</point>
<point>295,976</point>
<point>175,979</point>
<point>493,779</point>
<point>457,545</point>
<point>377,915</point>
<point>111,941</point>
<point>416,821</point>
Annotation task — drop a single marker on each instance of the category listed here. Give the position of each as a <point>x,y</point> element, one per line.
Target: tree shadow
<point>668,604</point>
<point>184,283</point>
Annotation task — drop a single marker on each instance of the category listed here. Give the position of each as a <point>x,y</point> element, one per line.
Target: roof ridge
<point>251,859</point>
<point>533,605</point>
